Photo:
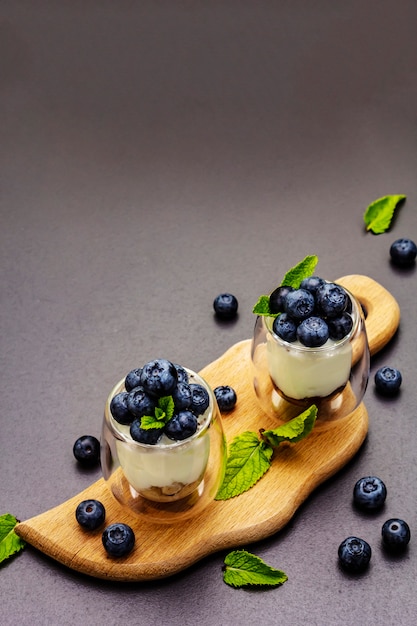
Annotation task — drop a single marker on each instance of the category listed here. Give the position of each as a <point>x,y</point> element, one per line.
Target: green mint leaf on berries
<point>148,422</point>
<point>242,569</point>
<point>292,278</point>
<point>167,405</point>
<point>10,542</point>
<point>296,429</point>
<point>379,214</point>
<point>248,460</point>
<point>163,413</point>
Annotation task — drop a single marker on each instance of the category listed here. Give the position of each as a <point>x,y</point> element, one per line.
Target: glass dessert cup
<point>290,377</point>
<point>171,480</point>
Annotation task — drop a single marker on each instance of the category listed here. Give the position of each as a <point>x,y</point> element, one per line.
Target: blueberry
<point>340,326</point>
<point>118,539</point>
<point>182,396</point>
<point>119,408</point>
<point>140,403</point>
<point>159,377</point>
<point>388,380</point>
<point>181,425</point>
<point>90,514</point>
<point>403,252</point>
<point>285,327</point>
<point>395,534</point>
<point>225,306</point>
<point>369,493</point>
<point>150,436</point>
<point>299,304</point>
<point>132,379</point>
<point>87,450</point>
<point>200,399</point>
<point>226,397</point>
<point>277,298</point>
<point>313,332</point>
<point>331,299</point>
<point>312,283</point>
<point>182,373</point>
<point>354,554</point>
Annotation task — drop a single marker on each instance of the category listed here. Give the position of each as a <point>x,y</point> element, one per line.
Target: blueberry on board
<point>182,425</point>
<point>312,283</point>
<point>132,379</point>
<point>226,397</point>
<point>151,436</point>
<point>340,326</point>
<point>225,306</point>
<point>159,377</point>
<point>395,534</point>
<point>313,332</point>
<point>86,450</point>
<point>277,298</point>
<point>182,373</point>
<point>354,554</point>
<point>200,399</point>
<point>369,493</point>
<point>387,380</point>
<point>140,403</point>
<point>119,408</point>
<point>90,514</point>
<point>285,327</point>
<point>299,304</point>
<point>331,300</point>
<point>182,396</point>
<point>403,252</point>
<point>118,539</point>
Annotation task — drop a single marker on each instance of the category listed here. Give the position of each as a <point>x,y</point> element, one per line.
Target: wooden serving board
<point>296,470</point>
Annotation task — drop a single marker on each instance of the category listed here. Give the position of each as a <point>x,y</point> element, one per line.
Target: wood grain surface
<point>296,470</point>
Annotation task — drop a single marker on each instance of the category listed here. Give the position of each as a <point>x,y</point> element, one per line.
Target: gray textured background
<point>154,154</point>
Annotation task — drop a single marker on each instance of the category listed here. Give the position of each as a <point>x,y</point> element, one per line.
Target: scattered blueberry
<point>149,436</point>
<point>395,534</point>
<point>277,298</point>
<point>118,539</point>
<point>340,326</point>
<point>200,399</point>
<point>225,306</point>
<point>87,450</point>
<point>285,327</point>
<point>369,493</point>
<point>140,403</point>
<point>226,397</point>
<point>132,379</point>
<point>388,380</point>
<point>332,299</point>
<point>119,408</point>
<point>159,377</point>
<point>354,554</point>
<point>182,396</point>
<point>181,425</point>
<point>403,252</point>
<point>90,514</point>
<point>313,332</point>
<point>312,283</point>
<point>299,304</point>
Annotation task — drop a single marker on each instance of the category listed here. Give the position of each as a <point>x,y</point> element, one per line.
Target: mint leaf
<point>294,430</point>
<point>10,542</point>
<point>167,405</point>
<point>248,460</point>
<point>163,413</point>
<point>379,214</point>
<point>148,422</point>
<point>242,568</point>
<point>303,269</point>
<point>292,278</point>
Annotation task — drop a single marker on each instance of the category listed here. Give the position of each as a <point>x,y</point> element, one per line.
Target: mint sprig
<point>163,413</point>
<point>379,214</point>
<point>249,456</point>
<point>292,278</point>
<point>10,542</point>
<point>242,569</point>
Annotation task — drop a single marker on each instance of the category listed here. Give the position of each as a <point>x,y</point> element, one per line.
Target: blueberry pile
<point>313,313</point>
<point>145,396</point>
